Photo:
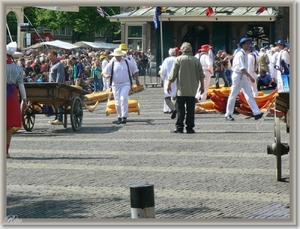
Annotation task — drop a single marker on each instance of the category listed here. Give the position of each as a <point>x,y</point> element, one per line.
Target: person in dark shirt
<point>28,69</point>
<point>77,71</point>
<point>265,80</point>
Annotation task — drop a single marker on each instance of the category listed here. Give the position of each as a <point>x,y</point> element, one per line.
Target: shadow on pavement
<point>30,208</point>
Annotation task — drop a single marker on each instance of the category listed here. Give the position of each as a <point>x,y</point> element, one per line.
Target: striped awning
<point>221,13</point>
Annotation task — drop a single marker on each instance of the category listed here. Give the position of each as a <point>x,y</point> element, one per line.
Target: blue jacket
<point>79,70</point>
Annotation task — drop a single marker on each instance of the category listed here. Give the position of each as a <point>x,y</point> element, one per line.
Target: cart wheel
<point>28,118</point>
<point>76,113</point>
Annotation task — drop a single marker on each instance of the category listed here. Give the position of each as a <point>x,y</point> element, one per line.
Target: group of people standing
<point>187,77</point>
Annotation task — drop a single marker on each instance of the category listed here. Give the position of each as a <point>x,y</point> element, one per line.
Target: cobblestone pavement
<point>221,172</point>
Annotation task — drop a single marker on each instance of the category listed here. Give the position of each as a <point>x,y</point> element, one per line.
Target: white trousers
<point>121,99</point>
<point>106,82</point>
<point>253,85</point>
<point>166,108</point>
<point>240,81</point>
<point>166,94</point>
<point>279,82</point>
<point>203,96</point>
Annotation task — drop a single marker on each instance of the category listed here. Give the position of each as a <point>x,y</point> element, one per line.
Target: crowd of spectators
<point>36,66</point>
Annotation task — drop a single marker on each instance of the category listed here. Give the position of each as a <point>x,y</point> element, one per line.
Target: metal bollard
<point>142,201</point>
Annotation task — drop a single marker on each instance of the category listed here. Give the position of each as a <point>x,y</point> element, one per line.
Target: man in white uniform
<point>104,61</point>
<point>207,68</point>
<point>252,69</point>
<point>240,81</point>
<point>274,54</point>
<point>120,70</point>
<point>165,71</point>
<point>283,55</point>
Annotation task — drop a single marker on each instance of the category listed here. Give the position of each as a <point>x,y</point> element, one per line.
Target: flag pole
<point>161,39</point>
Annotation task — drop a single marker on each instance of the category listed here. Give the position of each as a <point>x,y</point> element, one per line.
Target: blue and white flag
<point>156,16</point>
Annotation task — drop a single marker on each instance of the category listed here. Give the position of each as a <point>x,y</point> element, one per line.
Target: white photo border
<point>294,35</point>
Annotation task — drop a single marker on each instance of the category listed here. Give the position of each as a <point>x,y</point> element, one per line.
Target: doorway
<point>196,35</point>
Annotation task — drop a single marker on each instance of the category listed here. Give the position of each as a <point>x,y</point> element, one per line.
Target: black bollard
<point>142,201</point>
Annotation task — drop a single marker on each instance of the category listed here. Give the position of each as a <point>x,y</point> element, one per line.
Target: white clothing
<point>121,83</point>
<point>240,81</point>
<point>165,72</point>
<point>105,80</point>
<point>207,68</point>
<point>166,107</point>
<point>273,60</point>
<point>211,58</point>
<point>121,99</point>
<point>283,55</point>
<point>131,58</point>
<point>252,67</point>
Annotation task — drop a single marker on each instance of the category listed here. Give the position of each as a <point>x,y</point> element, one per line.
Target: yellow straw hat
<point>118,52</point>
<point>102,57</point>
<point>123,46</point>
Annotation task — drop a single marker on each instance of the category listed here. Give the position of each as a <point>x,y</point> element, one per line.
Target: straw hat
<point>102,57</point>
<point>123,46</point>
<point>118,52</point>
<point>11,48</point>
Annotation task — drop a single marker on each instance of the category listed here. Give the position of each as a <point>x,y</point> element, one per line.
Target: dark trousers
<point>260,83</point>
<point>189,102</point>
<point>59,114</point>
<point>221,74</point>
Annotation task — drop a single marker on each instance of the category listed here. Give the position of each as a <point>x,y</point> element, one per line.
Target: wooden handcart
<point>70,98</point>
<point>278,148</point>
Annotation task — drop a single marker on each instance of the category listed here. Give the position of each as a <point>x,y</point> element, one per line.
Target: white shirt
<point>104,63</point>
<point>120,71</point>
<point>131,58</point>
<point>205,62</point>
<point>165,72</point>
<point>252,64</point>
<point>166,67</point>
<point>283,55</point>
<point>240,61</point>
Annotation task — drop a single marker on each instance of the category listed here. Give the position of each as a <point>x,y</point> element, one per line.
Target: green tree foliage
<point>83,23</point>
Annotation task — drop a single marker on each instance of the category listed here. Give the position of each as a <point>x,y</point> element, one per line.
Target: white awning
<point>100,45</point>
<point>60,44</point>
<point>61,8</point>
<point>56,43</point>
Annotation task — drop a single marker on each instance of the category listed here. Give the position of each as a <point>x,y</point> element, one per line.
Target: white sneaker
<point>56,122</point>
<point>51,121</point>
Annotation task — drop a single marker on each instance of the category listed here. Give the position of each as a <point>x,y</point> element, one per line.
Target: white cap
<point>11,48</point>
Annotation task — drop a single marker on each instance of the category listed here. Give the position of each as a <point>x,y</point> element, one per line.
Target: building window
<point>135,31</point>
<point>69,32</point>
<point>135,36</point>
<point>63,31</point>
